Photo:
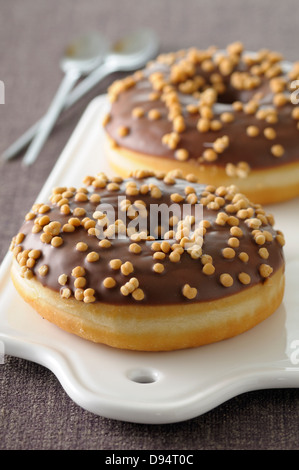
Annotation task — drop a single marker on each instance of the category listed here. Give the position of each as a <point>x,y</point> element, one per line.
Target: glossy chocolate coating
<point>159,288</point>
<point>145,135</point>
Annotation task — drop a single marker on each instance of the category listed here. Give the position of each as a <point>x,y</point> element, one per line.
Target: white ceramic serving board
<point>153,387</point>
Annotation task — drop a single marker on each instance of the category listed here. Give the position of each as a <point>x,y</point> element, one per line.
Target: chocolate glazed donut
<point>99,263</point>
<point>227,117</point>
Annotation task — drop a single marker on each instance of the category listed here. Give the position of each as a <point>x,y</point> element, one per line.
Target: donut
<point>152,262</point>
<point>226,116</point>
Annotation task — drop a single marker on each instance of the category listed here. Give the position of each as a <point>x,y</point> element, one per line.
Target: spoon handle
<point>90,81</point>
<point>78,92</point>
<point>51,116</point>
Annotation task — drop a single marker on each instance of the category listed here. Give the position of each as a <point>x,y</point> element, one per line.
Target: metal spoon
<point>81,57</point>
<point>129,53</point>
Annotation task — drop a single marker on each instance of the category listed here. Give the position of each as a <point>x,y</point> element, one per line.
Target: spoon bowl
<point>134,50</point>
<point>85,53</point>
<point>129,54</point>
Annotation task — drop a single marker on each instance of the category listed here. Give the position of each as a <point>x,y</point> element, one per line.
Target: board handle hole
<point>143,376</point>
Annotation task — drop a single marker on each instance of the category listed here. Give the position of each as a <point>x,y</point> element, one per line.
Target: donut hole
<point>229,97</point>
<point>143,375</point>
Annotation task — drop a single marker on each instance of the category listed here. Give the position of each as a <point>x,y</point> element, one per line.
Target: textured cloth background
<point>35,413</point>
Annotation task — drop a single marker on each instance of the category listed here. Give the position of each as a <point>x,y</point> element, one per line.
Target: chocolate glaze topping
<point>236,245</point>
<point>253,91</point>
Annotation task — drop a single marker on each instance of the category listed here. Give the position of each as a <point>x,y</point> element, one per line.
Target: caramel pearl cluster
<point>70,245</point>
<point>187,86</point>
